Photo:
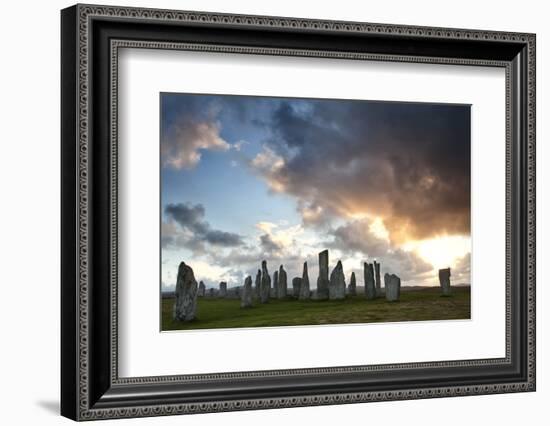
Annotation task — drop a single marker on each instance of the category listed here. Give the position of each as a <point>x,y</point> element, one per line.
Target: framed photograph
<point>263,212</point>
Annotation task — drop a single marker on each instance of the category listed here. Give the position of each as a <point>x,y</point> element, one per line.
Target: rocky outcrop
<point>392,285</point>
<point>337,286</point>
<point>258,284</point>
<point>223,290</point>
<point>282,284</point>
<point>185,305</point>
<point>246,293</point>
<point>445,281</point>
<point>370,287</point>
<point>265,285</point>
<point>275,289</point>
<point>296,282</point>
<point>322,280</point>
<point>304,285</point>
<point>352,287</point>
<point>377,279</point>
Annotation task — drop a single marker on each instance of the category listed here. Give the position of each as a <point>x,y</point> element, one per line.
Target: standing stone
<point>246,294</point>
<point>202,289</point>
<point>370,288</point>
<point>296,283</point>
<point>223,290</point>
<point>304,285</point>
<point>352,287</point>
<point>185,305</point>
<point>258,284</point>
<point>337,286</point>
<point>322,280</point>
<point>378,281</point>
<point>265,284</point>
<point>281,289</point>
<point>275,289</point>
<point>210,292</point>
<point>393,287</point>
<point>445,281</point>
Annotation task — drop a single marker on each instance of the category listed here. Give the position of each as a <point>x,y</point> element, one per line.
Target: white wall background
<point>29,213</point>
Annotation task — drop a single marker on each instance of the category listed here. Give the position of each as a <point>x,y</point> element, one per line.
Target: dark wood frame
<point>90,38</point>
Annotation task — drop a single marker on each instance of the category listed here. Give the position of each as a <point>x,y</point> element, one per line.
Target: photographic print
<point>281,211</point>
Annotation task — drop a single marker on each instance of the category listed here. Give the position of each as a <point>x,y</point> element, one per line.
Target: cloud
<point>314,214</point>
<point>276,243</point>
<point>194,230</point>
<point>187,129</point>
<point>360,239</point>
<point>182,144</point>
<point>406,163</point>
<point>222,238</point>
<point>461,273</point>
<point>266,227</point>
<point>357,236</point>
<point>171,235</point>
<point>269,165</point>
<point>192,124</point>
<point>268,245</point>
<point>238,145</point>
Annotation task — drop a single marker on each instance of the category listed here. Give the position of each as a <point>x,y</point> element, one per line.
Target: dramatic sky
<point>250,178</point>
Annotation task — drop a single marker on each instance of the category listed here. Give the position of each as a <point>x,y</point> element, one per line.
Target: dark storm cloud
<point>191,218</point>
<point>406,162</point>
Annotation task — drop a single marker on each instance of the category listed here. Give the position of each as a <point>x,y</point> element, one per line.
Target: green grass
<point>415,305</point>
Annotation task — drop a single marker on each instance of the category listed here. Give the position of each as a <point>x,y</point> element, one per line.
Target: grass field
<point>415,305</point>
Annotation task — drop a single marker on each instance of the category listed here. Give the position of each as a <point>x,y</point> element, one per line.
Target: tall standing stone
<point>393,287</point>
<point>352,287</point>
<point>223,290</point>
<point>370,287</point>
<point>445,281</point>
<point>282,287</point>
<point>265,284</point>
<point>377,277</point>
<point>322,280</point>
<point>210,292</point>
<point>337,286</point>
<point>246,293</point>
<point>202,289</point>
<point>258,284</point>
<point>296,282</point>
<point>275,289</point>
<point>185,305</point>
<point>304,285</point>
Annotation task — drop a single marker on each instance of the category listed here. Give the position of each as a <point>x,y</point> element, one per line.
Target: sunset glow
<point>441,252</point>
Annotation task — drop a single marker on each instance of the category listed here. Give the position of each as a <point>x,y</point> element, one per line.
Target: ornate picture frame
<point>91,37</point>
